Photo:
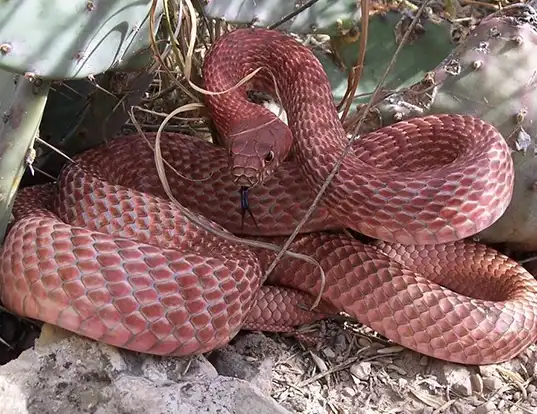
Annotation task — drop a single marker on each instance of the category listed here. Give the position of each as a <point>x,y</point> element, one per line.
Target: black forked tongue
<point>245,207</point>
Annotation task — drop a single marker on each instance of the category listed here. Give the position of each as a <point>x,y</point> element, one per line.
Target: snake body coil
<point>104,254</point>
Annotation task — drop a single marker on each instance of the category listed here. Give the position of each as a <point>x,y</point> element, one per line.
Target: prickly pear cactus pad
<point>493,75</point>
<point>60,39</point>
<point>325,16</point>
<point>21,106</point>
<point>428,48</point>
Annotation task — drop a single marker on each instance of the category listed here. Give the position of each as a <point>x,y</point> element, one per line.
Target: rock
<point>488,370</point>
<point>232,364</point>
<point>74,374</point>
<point>477,383</point>
<point>361,370</point>
<point>256,345</point>
<point>487,408</point>
<point>492,383</point>
<point>532,394</point>
<point>528,357</point>
<point>460,407</point>
<point>458,377</point>
<point>348,392</point>
<point>251,357</point>
<point>329,353</point>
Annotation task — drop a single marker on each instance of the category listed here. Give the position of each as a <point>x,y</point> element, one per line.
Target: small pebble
<point>492,383</point>
<point>329,353</point>
<point>487,408</point>
<point>361,370</point>
<point>364,342</point>
<point>460,407</point>
<point>488,370</point>
<point>457,376</point>
<point>477,383</point>
<point>348,392</point>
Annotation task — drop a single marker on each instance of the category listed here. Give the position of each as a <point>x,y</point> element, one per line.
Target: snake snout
<point>245,176</point>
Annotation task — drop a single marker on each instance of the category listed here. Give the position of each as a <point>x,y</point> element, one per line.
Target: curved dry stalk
<point>240,83</point>
<point>189,107</point>
<point>192,43</point>
<point>173,39</point>
<point>223,234</point>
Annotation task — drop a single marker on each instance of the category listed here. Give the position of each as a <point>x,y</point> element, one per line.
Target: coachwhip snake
<point>104,254</point>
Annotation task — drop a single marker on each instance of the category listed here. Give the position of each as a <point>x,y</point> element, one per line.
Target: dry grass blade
<point>355,75</point>
<point>164,115</point>
<point>192,43</point>
<point>239,84</point>
<point>428,399</point>
<point>2,340</point>
<point>173,37</point>
<point>189,107</point>
<point>329,371</point>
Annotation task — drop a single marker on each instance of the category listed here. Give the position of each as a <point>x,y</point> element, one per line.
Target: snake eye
<point>270,156</point>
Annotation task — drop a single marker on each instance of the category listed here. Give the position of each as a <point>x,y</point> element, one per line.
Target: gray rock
<point>69,374</point>
<point>487,408</point>
<point>458,377</point>
<point>492,383</point>
<point>232,364</point>
<point>250,358</point>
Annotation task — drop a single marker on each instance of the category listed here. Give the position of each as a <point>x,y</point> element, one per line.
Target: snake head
<point>257,147</point>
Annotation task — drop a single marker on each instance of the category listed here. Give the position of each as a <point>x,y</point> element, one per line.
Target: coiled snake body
<point>104,254</point>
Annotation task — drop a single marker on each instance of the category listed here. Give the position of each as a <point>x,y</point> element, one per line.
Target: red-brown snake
<point>104,254</point>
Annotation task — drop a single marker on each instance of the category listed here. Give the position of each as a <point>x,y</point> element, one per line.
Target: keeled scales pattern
<point>431,180</point>
<point>101,256</point>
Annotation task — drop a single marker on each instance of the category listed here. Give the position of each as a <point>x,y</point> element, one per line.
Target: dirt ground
<point>356,371</point>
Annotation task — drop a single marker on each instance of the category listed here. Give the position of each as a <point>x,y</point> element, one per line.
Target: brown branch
<point>355,75</point>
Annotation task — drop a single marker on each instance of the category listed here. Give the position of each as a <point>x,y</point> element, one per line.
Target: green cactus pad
<point>21,106</point>
<point>73,39</point>
<point>493,76</point>
<point>416,58</point>
<point>325,16</point>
